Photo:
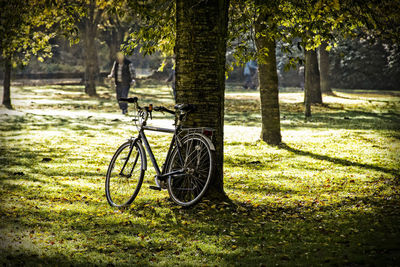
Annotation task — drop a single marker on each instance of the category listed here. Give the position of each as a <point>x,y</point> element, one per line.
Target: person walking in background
<point>249,73</point>
<point>123,73</point>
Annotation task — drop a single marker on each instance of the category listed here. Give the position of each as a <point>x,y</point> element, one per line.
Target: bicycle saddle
<point>185,107</point>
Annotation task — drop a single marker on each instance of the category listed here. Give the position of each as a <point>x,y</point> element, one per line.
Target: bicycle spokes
<point>197,162</point>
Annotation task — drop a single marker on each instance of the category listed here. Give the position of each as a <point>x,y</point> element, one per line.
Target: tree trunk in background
<point>113,44</point>
<point>324,69</point>
<point>114,41</point>
<point>91,59</point>
<point>114,47</point>
<point>312,87</point>
<point>90,23</point>
<point>269,92</point>
<point>201,32</point>
<point>7,84</point>
<point>307,102</point>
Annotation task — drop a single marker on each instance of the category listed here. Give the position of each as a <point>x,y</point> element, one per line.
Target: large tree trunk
<point>312,88</point>
<point>115,39</point>
<point>113,45</point>
<point>7,84</point>
<point>90,22</point>
<point>91,60</point>
<point>269,92</point>
<point>324,69</point>
<point>201,32</point>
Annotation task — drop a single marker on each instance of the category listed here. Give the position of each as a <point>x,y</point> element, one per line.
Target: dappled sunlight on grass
<point>329,195</point>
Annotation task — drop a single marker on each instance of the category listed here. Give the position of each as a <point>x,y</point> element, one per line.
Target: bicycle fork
<point>126,162</point>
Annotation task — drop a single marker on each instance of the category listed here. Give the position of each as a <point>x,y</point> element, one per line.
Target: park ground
<point>329,195</point>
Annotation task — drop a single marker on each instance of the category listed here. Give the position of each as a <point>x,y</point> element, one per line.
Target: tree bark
<point>307,103</point>
<point>115,38</point>
<point>324,69</point>
<point>113,45</point>
<point>7,84</point>
<point>312,87</point>
<point>91,57</point>
<point>91,60</point>
<point>201,32</point>
<point>269,91</point>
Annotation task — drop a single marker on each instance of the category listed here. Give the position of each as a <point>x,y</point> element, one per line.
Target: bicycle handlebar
<point>163,109</point>
<point>182,107</point>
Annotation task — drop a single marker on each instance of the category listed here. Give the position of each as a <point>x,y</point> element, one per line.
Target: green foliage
<point>19,23</point>
<point>241,36</point>
<point>117,22</point>
<point>292,23</point>
<point>28,26</point>
<point>358,63</point>
<point>95,12</point>
<point>308,24</point>
<point>156,27</point>
<point>329,196</point>
<point>380,19</point>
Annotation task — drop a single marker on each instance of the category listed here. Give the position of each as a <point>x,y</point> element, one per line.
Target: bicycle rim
<point>188,188</point>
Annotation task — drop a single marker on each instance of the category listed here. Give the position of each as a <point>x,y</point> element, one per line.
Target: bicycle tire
<point>121,176</point>
<point>188,189</point>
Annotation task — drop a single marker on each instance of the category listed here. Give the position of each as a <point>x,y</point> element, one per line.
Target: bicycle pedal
<point>155,188</point>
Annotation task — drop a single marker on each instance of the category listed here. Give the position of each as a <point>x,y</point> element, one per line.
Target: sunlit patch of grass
<point>330,195</point>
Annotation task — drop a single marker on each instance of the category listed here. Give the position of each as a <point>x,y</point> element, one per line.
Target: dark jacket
<point>126,74</point>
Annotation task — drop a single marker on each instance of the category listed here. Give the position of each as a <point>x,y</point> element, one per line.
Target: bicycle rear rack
<point>209,132</point>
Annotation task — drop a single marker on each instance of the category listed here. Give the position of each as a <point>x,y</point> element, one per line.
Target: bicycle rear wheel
<point>125,174</point>
<point>187,189</point>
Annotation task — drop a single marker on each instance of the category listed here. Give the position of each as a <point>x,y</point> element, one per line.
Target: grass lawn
<point>330,195</point>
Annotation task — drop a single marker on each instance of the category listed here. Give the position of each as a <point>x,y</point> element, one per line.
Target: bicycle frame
<point>161,175</point>
<point>188,165</point>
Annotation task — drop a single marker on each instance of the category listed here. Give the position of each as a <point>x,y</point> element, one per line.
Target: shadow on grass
<point>346,120</point>
<point>158,232</point>
<point>341,119</point>
<point>342,162</point>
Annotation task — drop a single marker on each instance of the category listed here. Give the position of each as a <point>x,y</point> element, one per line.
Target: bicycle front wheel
<point>125,174</point>
<point>196,159</point>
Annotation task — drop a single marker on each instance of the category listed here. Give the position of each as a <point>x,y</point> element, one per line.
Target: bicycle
<point>188,167</point>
